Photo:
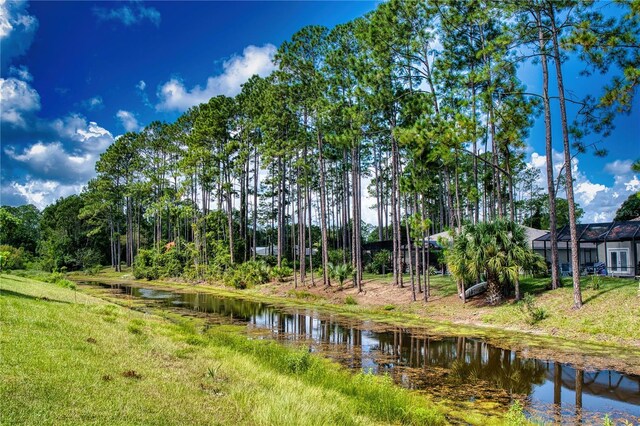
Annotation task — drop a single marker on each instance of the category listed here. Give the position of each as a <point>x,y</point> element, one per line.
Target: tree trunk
<point>555,280</point>
<point>323,214</point>
<point>575,262</point>
<point>494,290</point>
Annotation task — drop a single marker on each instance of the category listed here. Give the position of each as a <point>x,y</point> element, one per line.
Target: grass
<point>70,358</point>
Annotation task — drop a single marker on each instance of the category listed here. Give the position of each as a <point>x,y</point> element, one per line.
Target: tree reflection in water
<point>460,368</point>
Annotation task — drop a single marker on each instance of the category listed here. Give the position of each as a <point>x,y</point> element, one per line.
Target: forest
<point>417,105</point>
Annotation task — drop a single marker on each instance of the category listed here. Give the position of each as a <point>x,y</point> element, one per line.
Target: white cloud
<point>22,72</point>
<point>633,185</point>
<point>128,120</point>
<point>17,98</point>
<point>129,14</point>
<point>585,192</point>
<point>599,201</point>
<point>173,94</point>
<point>141,85</point>
<point>54,162</point>
<point>17,28</point>
<point>618,167</point>
<point>94,103</point>
<point>87,136</point>
<point>41,193</point>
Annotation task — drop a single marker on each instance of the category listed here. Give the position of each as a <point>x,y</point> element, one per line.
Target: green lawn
<point>69,358</point>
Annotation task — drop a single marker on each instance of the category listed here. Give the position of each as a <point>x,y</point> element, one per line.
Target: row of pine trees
<point>417,105</point>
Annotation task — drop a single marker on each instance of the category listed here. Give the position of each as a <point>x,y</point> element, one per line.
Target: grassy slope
<point>65,358</point>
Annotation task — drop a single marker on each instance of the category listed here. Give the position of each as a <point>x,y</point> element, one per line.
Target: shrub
<point>298,361</point>
<point>54,277</point>
<point>144,265</point>
<point>533,313</point>
<point>66,284</point>
<point>515,416</point>
<point>340,272</point>
<point>349,300</point>
<point>336,256</point>
<point>381,263</point>
<point>595,282</point>
<point>12,258</point>
<point>248,274</point>
<point>280,273</point>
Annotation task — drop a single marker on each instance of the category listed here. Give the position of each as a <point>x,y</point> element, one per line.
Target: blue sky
<point>75,75</point>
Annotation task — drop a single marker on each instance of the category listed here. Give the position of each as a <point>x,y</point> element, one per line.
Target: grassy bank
<point>69,358</point>
<point>603,334</point>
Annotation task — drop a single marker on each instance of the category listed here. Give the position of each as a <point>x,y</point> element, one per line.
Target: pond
<point>455,368</point>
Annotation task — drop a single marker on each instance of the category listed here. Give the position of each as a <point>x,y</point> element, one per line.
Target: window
<point>619,261</point>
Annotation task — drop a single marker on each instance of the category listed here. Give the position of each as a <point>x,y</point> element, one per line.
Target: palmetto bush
<point>340,272</point>
<point>495,250</point>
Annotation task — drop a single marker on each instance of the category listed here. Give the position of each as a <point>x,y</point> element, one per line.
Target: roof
<point>533,233</point>
<point>599,232</point>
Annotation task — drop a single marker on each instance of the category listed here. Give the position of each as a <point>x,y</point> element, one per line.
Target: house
<point>616,244</point>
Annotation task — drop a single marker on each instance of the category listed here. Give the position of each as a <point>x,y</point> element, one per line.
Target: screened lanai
<point>614,244</point>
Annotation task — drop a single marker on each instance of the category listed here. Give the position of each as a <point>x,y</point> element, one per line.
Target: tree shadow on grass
<point>10,293</point>
<point>600,292</point>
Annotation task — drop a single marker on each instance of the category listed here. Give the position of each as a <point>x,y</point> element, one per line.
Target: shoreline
<point>535,343</point>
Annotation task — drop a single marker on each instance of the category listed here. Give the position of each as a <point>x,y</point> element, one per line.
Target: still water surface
<point>458,368</point>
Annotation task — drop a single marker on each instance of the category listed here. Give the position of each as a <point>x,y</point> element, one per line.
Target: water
<point>456,368</point>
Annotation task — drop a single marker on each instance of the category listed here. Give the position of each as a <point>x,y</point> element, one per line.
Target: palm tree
<point>496,250</point>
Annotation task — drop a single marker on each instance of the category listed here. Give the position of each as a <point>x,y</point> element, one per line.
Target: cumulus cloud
<point>17,29</point>
<point>128,120</point>
<point>86,136</point>
<point>69,160</point>
<point>599,201</point>
<point>18,99</point>
<point>38,192</point>
<point>129,15</point>
<point>54,162</point>
<point>173,94</point>
<point>141,85</point>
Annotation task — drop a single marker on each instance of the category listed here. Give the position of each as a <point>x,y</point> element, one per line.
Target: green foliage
<point>595,282</point>
<point>20,227</point>
<point>340,272</point>
<point>64,283</point>
<point>246,275</point>
<point>381,263</point>
<point>66,239</point>
<point>539,218</point>
<point>350,300</point>
<point>495,250</point>
<point>136,326</point>
<point>630,208</point>
<point>280,273</point>
<point>336,257</point>
<point>389,307</point>
<point>145,265</point>
<point>533,313</point>
<point>151,264</point>
<point>515,416</point>
<point>298,361</point>
<point>12,258</point>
